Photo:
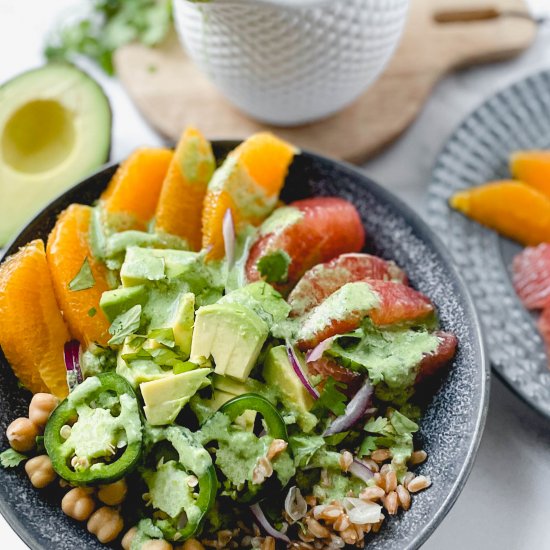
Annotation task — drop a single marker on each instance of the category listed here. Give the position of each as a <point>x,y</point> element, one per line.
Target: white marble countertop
<point>505,502</point>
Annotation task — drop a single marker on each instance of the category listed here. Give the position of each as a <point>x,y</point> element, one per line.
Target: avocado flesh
<point>164,398</point>
<point>278,373</point>
<point>232,334</point>
<point>55,129</point>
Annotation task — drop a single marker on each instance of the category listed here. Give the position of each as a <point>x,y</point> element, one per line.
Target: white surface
<point>504,505</point>
<point>290,66</point>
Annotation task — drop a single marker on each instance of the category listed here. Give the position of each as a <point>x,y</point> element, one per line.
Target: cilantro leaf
<point>92,311</point>
<point>125,324</point>
<point>84,279</point>
<point>109,25</point>
<point>304,447</point>
<point>164,336</point>
<point>10,458</point>
<point>274,266</point>
<point>332,398</point>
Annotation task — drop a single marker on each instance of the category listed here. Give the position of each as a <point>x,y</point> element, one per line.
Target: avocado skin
<point>9,231</point>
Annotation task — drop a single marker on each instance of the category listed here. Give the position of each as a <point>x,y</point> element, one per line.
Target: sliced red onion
<point>319,349</point>
<point>295,362</point>
<point>355,410</point>
<point>295,504</point>
<point>71,352</point>
<point>360,470</point>
<point>265,525</point>
<point>228,230</point>
<point>360,511</point>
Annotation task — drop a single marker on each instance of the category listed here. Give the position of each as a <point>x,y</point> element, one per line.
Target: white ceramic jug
<point>288,62</point>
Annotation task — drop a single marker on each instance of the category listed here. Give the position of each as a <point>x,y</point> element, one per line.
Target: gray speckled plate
<point>518,117</point>
<point>450,429</point>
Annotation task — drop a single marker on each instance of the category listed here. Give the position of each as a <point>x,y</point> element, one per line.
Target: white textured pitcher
<point>289,62</point>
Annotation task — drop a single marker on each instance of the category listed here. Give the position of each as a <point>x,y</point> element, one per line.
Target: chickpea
<point>106,524</point>
<point>42,405</point>
<point>192,544</point>
<point>22,434</point>
<point>128,537</point>
<point>156,544</point>
<point>40,471</point>
<point>113,493</point>
<point>78,504</point>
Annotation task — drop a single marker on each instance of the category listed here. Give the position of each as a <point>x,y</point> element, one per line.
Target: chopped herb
<point>163,336</point>
<point>332,398</point>
<point>40,444</point>
<point>108,25</point>
<point>11,459</point>
<point>274,266</point>
<point>184,366</point>
<point>125,324</point>
<point>84,279</point>
<point>92,311</point>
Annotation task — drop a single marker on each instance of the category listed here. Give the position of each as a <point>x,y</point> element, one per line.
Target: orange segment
<point>512,208</point>
<point>135,188</point>
<point>532,168</point>
<point>267,159</point>
<point>68,247</point>
<point>33,331</point>
<point>249,181</point>
<point>179,207</point>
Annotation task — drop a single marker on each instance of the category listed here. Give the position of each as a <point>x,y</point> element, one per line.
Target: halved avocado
<point>55,129</point>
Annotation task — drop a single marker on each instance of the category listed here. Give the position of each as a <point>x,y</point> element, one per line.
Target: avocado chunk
<point>115,302</point>
<point>278,373</point>
<point>140,370</point>
<point>55,129</point>
<point>181,321</point>
<point>232,334</point>
<point>220,397</point>
<point>141,266</point>
<point>164,398</point>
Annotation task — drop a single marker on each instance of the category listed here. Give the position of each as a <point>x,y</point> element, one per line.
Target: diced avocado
<point>55,129</point>
<point>115,302</point>
<point>141,266</point>
<point>229,385</point>
<point>165,398</point>
<point>278,373</point>
<point>139,370</point>
<point>181,322</point>
<point>232,334</point>
<point>261,298</point>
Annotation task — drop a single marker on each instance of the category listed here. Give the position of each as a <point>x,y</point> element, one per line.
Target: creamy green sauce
<point>280,219</point>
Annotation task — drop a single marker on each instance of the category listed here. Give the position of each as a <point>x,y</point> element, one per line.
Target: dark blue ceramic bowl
<point>451,427</point>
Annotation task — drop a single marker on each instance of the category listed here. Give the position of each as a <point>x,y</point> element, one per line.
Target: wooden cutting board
<point>171,92</point>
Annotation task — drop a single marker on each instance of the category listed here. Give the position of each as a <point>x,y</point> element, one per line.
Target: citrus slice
<point>248,182</point>
<point>322,280</point>
<point>33,331</point>
<point>179,207</point>
<point>134,190</point>
<point>532,168</point>
<point>72,265</point>
<point>443,354</point>
<point>309,231</point>
<point>512,208</point>
<point>531,276</point>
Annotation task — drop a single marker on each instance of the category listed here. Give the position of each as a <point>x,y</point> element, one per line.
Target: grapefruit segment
<point>33,331</point>
<point>310,231</point>
<point>531,276</point>
<point>328,367</point>
<point>248,182</point>
<point>322,280</point>
<point>438,359</point>
<point>67,250</point>
<point>134,190</point>
<point>391,303</point>
<point>181,199</point>
<point>512,208</point>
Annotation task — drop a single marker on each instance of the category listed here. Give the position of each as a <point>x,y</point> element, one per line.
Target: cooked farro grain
<point>418,457</point>
<point>391,503</point>
<point>372,493</point>
<point>404,497</point>
<point>418,484</point>
<point>346,460</point>
<point>390,481</point>
<point>381,455</point>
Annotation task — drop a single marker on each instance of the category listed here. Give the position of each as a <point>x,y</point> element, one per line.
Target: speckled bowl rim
<point>427,235</point>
